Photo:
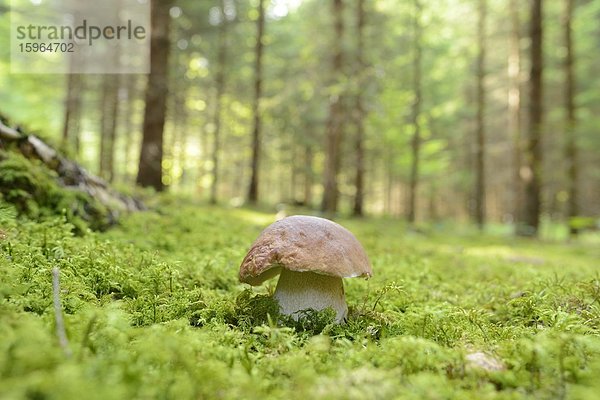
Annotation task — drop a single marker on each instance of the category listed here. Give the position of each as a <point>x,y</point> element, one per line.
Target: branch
<point>45,152</point>
<point>9,133</point>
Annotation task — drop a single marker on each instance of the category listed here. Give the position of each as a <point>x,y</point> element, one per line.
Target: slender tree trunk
<point>258,79</point>
<point>514,106</point>
<point>335,121</point>
<point>103,126</point>
<point>220,82</point>
<point>128,126</point>
<point>359,111</point>
<point>183,140</point>
<point>571,121</point>
<point>293,170</point>
<point>108,125</point>
<point>73,104</point>
<point>416,112</point>
<point>433,210</point>
<point>388,168</point>
<point>308,174</point>
<point>70,135</point>
<point>180,88</point>
<point>480,134</point>
<point>533,155</point>
<point>151,153</point>
<point>112,131</point>
<point>107,105</point>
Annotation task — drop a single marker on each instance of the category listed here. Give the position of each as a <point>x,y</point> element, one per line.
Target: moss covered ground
<point>153,310</point>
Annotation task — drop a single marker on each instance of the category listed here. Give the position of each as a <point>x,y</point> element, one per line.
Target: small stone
<point>484,361</point>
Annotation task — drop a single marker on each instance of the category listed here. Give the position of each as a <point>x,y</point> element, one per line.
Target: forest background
<point>457,110</point>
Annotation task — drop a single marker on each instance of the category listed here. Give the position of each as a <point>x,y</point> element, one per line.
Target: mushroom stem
<point>297,291</point>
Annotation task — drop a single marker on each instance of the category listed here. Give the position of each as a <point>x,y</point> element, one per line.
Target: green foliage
<point>34,191</point>
<point>153,309</point>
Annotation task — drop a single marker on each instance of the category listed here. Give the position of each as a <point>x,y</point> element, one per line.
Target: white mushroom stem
<point>297,291</point>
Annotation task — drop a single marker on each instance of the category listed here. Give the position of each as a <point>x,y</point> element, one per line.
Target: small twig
<point>60,323</point>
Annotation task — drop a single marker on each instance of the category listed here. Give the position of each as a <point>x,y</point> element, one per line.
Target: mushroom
<point>312,255</point>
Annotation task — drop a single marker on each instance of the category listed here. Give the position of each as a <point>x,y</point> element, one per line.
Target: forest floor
<point>153,309</point>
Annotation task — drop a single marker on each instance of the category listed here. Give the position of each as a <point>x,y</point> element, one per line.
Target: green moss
<point>153,309</point>
<point>34,191</point>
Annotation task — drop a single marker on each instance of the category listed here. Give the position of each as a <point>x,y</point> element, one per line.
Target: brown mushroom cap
<point>301,243</point>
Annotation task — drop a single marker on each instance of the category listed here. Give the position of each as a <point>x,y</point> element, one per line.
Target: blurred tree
<point>480,132</point>
<point>256,111</point>
<point>72,113</point>
<point>151,152</point>
<point>108,125</point>
<point>359,109</point>
<point>571,121</point>
<point>220,86</point>
<point>73,103</point>
<point>533,151</point>
<point>514,107</point>
<point>335,122</point>
<point>128,129</point>
<point>416,114</point>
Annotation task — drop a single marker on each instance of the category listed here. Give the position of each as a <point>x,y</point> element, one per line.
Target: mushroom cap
<point>302,243</point>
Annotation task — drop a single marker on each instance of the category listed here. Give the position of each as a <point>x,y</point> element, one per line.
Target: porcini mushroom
<point>312,255</point>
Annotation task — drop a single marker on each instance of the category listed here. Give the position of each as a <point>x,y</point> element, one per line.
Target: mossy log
<point>70,174</point>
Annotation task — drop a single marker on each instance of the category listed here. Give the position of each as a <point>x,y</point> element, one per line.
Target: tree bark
<point>220,83</point>
<point>480,134</point>
<point>514,108</point>
<point>151,153</point>
<point>359,111</point>
<point>571,120</point>
<point>416,112</point>
<point>258,81</point>
<point>70,134</point>
<point>108,126</point>
<point>533,154</point>
<point>73,104</point>
<point>308,174</point>
<point>335,121</point>
<point>128,126</point>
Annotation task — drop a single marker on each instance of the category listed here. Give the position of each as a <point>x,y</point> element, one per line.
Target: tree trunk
<point>514,107</point>
<point>108,126</point>
<point>151,153</point>
<point>480,134</point>
<point>533,154</point>
<point>220,82</point>
<point>571,121</point>
<point>388,168</point>
<point>128,126</point>
<point>308,174</point>
<point>258,78</point>
<point>335,120</point>
<point>73,102</point>
<point>105,99</point>
<point>183,140</point>
<point>416,112</point>
<point>70,136</point>
<point>359,112</point>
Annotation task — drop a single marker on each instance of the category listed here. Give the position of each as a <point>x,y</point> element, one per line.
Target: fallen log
<point>70,174</point>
